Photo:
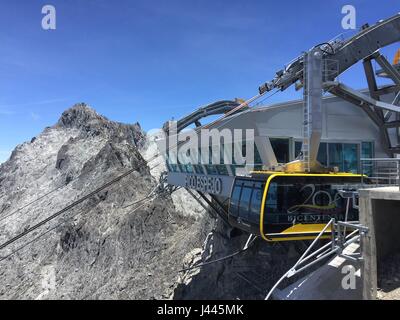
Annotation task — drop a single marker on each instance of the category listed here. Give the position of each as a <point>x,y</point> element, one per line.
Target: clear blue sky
<point>148,61</point>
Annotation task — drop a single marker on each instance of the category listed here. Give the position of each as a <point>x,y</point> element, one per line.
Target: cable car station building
<point>348,135</point>
<point>305,153</point>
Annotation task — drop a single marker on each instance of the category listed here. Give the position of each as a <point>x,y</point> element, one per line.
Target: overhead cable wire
<point>45,195</point>
<point>245,248</point>
<point>70,206</point>
<point>37,238</point>
<point>63,210</point>
<point>30,203</point>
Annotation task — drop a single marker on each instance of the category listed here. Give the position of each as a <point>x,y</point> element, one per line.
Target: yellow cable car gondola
<point>290,206</point>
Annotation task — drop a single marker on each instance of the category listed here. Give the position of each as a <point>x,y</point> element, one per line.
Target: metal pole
<point>347,215</point>
<point>398,172</point>
<point>362,172</point>
<point>330,223</point>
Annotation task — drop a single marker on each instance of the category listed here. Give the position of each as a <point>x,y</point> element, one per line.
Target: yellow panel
<point>298,228</point>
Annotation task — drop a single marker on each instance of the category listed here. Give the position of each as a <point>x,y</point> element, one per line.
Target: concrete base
<point>380,212</point>
<point>326,282</point>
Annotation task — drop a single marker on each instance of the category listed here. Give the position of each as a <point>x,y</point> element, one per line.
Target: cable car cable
<point>70,206</point>
<point>45,195</point>
<point>63,222</point>
<point>245,248</point>
<point>30,203</point>
<point>36,239</point>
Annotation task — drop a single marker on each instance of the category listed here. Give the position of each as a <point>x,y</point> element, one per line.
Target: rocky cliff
<point>102,248</point>
<point>111,246</point>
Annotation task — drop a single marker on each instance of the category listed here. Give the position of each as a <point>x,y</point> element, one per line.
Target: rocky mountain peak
<point>80,115</point>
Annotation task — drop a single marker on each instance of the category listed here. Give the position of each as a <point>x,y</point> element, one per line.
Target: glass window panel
<point>211,169</point>
<point>233,210</point>
<point>323,154</point>
<point>350,157</point>
<point>244,203</point>
<point>222,169</point>
<point>256,198</point>
<point>281,149</point>
<point>272,197</point>
<point>336,155</point>
<point>367,151</point>
<point>198,169</point>
<point>297,148</point>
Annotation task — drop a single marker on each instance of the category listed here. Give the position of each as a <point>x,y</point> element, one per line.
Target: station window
<point>174,167</point>
<point>211,169</point>
<point>367,151</point>
<point>297,148</point>
<point>189,168</point>
<point>345,156</point>
<point>350,157</point>
<point>198,169</point>
<point>222,169</point>
<point>281,149</point>
<point>182,167</point>
<point>322,152</point>
<point>336,155</point>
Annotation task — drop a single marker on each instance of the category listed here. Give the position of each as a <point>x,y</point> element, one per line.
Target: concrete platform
<point>380,212</point>
<point>326,282</point>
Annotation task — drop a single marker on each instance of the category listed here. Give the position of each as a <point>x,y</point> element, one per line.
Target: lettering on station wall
<point>205,184</point>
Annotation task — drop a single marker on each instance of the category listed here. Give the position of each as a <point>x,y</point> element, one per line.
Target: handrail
<point>376,173</point>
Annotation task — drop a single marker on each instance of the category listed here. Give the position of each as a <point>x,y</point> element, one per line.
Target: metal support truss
<point>364,46</point>
<point>373,107</point>
<point>345,52</point>
<point>218,107</point>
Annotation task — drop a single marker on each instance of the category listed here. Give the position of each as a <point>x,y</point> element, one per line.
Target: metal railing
<point>343,233</point>
<point>341,239</point>
<point>381,172</point>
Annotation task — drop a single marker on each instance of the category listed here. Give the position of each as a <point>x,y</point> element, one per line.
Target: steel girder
<point>364,46</point>
<point>345,52</point>
<point>218,107</point>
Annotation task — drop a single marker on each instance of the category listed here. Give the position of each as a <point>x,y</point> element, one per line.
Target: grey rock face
<point>108,247</point>
<point>102,248</point>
